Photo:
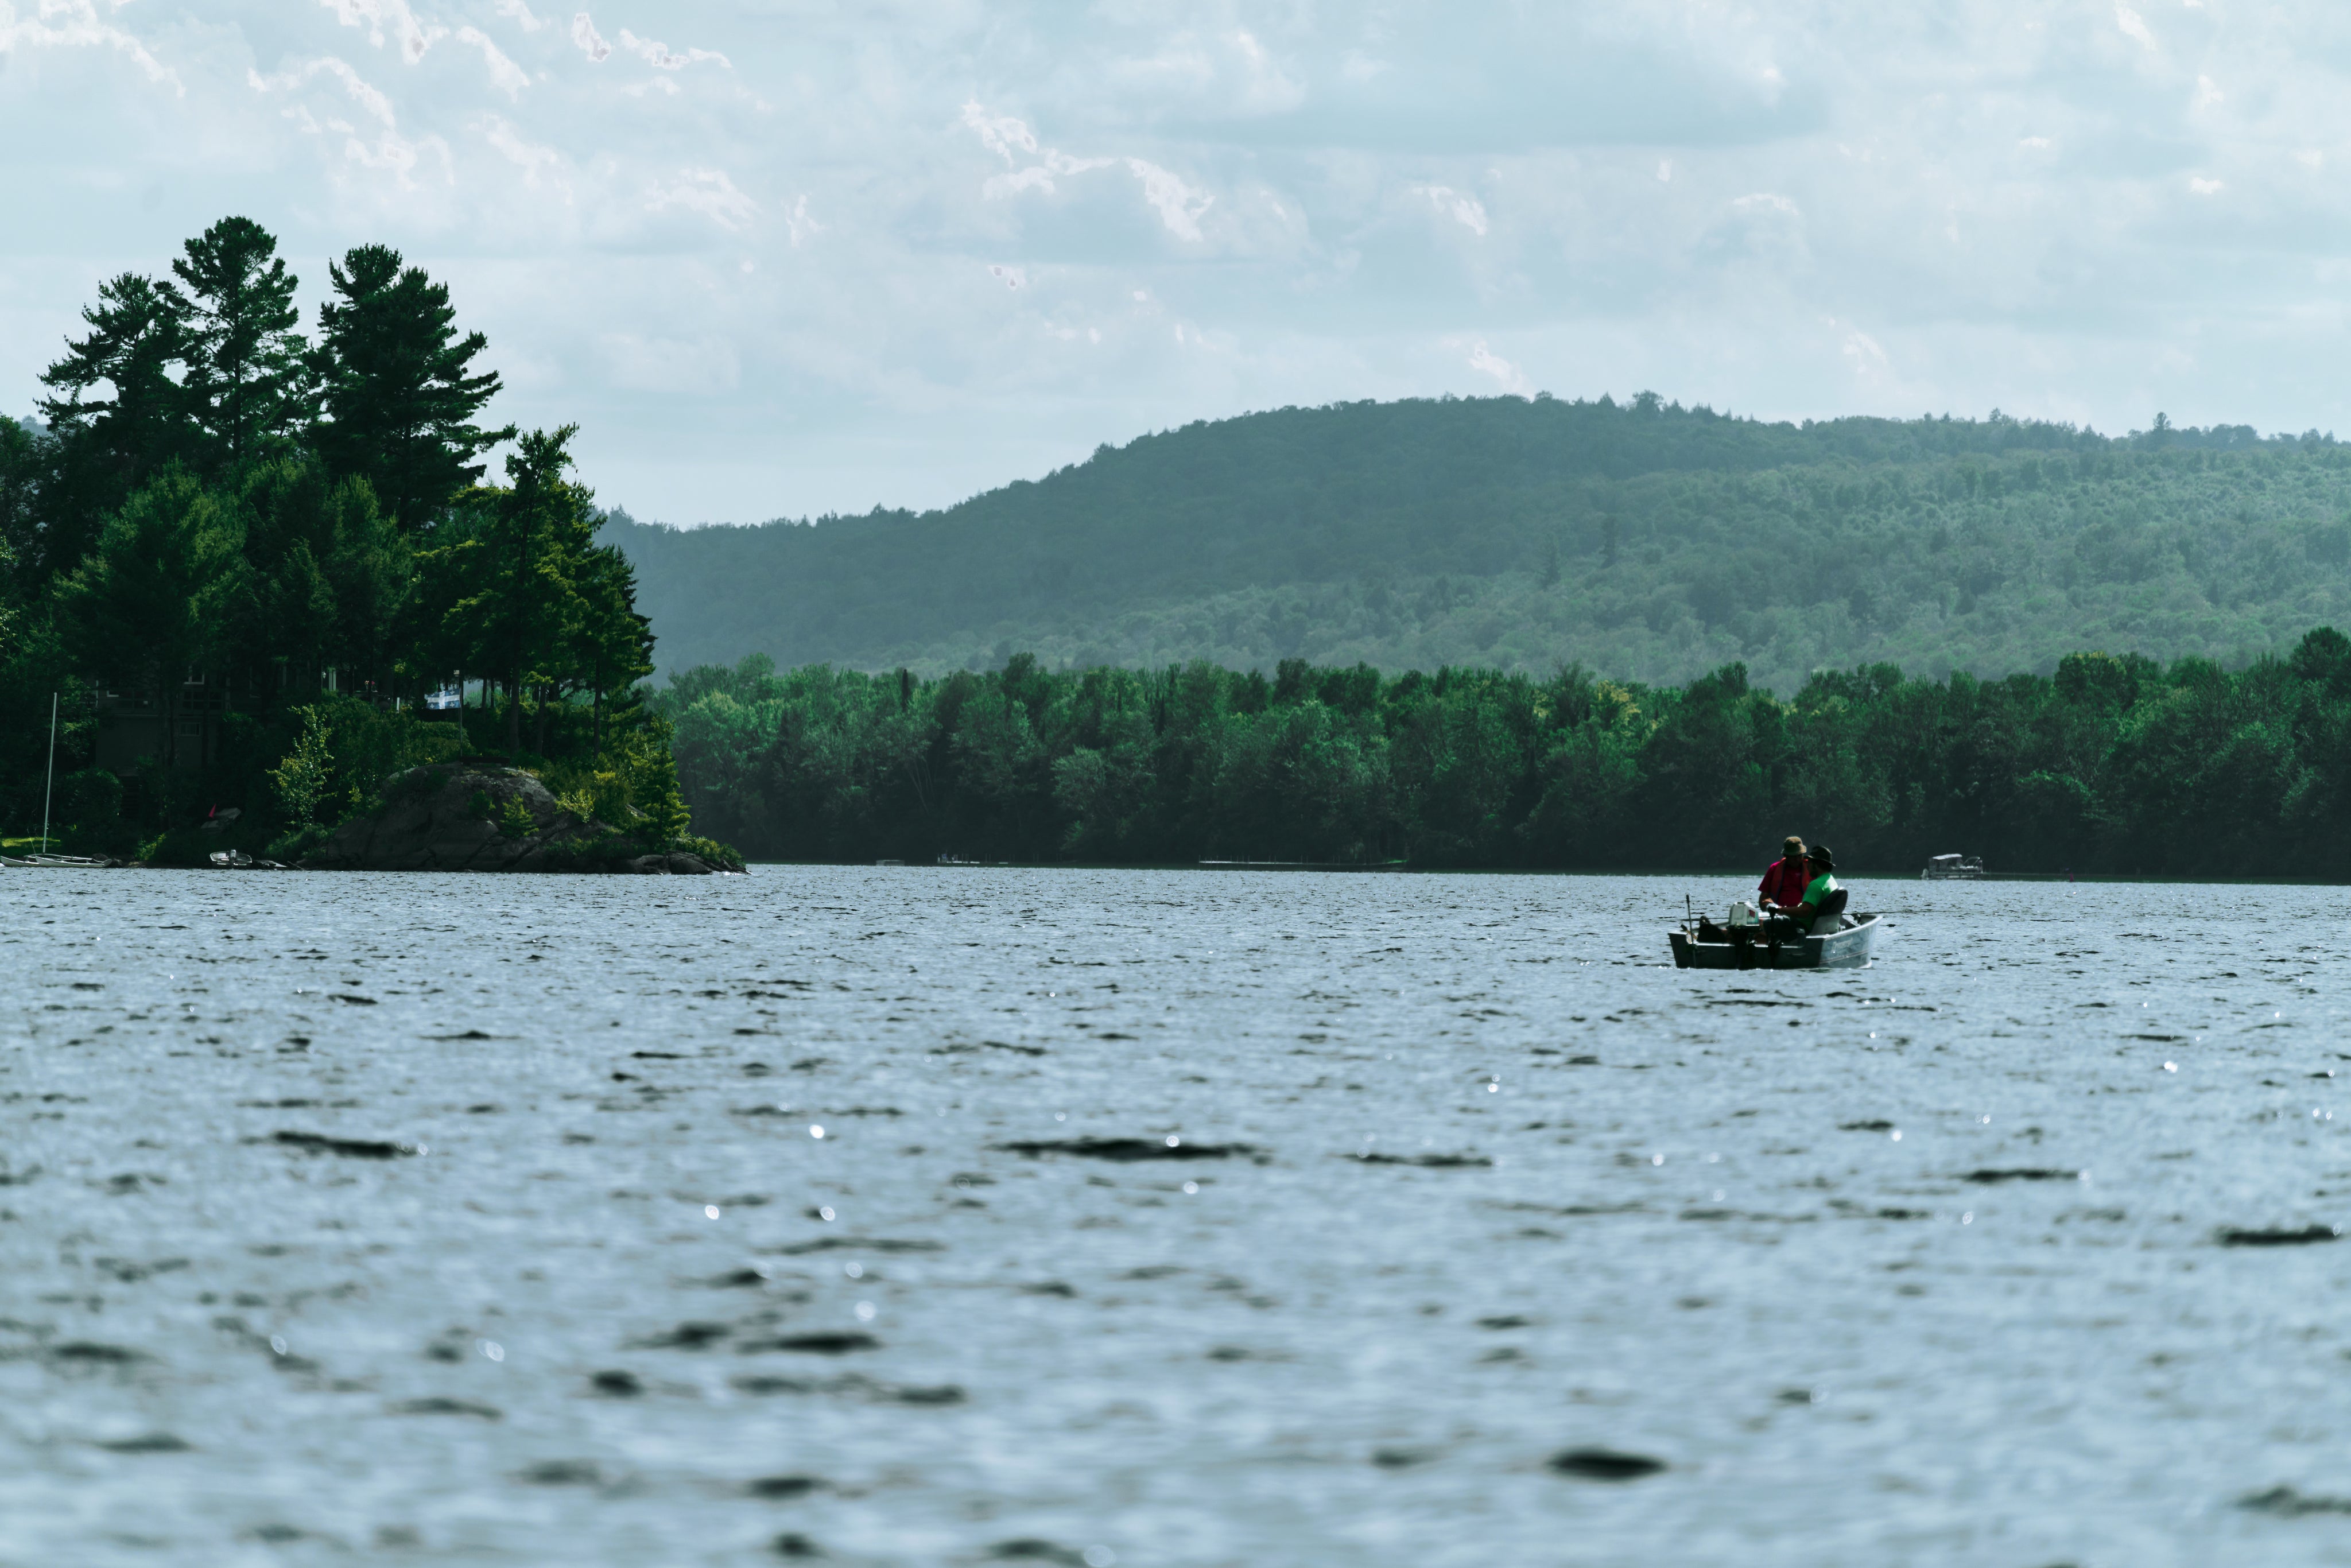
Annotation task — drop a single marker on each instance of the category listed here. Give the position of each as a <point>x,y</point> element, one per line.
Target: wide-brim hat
<point>1819,855</point>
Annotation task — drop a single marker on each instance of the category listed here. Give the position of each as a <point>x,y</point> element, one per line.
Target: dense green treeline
<point>243,560</point>
<point>1641,538</point>
<point>2111,765</point>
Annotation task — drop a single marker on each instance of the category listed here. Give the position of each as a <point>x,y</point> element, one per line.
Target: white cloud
<point>592,43</point>
<point>396,155</point>
<point>1487,362</point>
<point>1868,359</point>
<point>706,191</point>
<point>375,15</point>
<point>388,152</point>
<point>659,56</point>
<point>999,134</point>
<point>1180,205</point>
<point>800,225</point>
<point>2133,25</point>
<point>366,96</point>
<point>530,157</point>
<point>1040,176</point>
<point>504,75</point>
<point>74,23</point>
<point>1679,217</point>
<point>1466,211</point>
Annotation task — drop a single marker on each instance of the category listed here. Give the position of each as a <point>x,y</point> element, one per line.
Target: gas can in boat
<point>1742,914</point>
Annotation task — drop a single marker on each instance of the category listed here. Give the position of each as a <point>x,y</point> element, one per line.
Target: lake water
<point>1162,1218</point>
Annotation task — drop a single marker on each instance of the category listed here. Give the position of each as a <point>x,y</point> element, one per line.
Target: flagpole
<point>50,789</point>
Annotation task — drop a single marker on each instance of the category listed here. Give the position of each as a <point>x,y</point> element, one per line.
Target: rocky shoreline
<point>457,816</point>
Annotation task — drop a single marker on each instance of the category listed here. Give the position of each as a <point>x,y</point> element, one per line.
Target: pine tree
<point>115,415</point>
<point>247,386</point>
<point>162,592</point>
<point>611,645</point>
<point>506,586</point>
<point>333,575</point>
<point>399,405</point>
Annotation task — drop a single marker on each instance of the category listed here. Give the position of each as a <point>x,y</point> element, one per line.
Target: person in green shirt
<point>1797,922</point>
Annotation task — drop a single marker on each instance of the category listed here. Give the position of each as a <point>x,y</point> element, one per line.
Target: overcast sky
<point>780,258</point>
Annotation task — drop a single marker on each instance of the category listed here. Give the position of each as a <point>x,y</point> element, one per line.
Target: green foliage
<point>158,595</point>
<point>87,813</point>
<point>398,402</point>
<point>371,746</point>
<point>302,776</point>
<point>333,579</point>
<point>1422,534</point>
<point>2112,765</point>
<point>245,388</point>
<point>723,857</point>
<point>589,792</point>
<point>647,773</point>
<point>340,755</point>
<point>514,819</point>
<point>103,447</point>
<point>280,548</point>
<point>517,588</point>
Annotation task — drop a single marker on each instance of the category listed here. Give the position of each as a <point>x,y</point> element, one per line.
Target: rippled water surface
<point>1162,1218</point>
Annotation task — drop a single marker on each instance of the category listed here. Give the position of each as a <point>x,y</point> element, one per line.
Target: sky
<point>785,258</point>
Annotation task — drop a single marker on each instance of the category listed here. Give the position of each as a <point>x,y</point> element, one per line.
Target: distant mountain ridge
<point>1643,539</point>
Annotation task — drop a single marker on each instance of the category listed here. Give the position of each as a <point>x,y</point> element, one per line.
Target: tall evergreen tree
<point>115,414</point>
<point>612,645</point>
<point>21,466</point>
<point>248,382</point>
<point>331,574</point>
<point>160,594</point>
<point>398,402</point>
<point>513,579</point>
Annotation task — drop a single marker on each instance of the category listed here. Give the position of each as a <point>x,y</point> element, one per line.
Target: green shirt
<point>1819,888</point>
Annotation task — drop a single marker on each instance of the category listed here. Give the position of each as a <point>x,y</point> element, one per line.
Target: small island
<point>281,616</point>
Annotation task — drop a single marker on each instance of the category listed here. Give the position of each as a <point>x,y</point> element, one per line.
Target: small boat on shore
<point>1712,946</point>
<point>57,863</point>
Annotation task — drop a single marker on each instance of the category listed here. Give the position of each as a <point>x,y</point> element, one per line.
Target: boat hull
<point>1838,950</point>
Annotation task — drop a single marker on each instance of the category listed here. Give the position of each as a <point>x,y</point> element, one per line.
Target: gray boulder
<point>677,862</point>
<point>457,818</point>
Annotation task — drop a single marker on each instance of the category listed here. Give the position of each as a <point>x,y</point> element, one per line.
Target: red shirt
<point>1783,883</point>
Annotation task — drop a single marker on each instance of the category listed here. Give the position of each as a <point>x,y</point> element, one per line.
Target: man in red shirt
<point>1783,886</point>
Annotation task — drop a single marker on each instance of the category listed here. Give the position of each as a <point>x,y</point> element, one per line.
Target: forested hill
<point>1645,540</point>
